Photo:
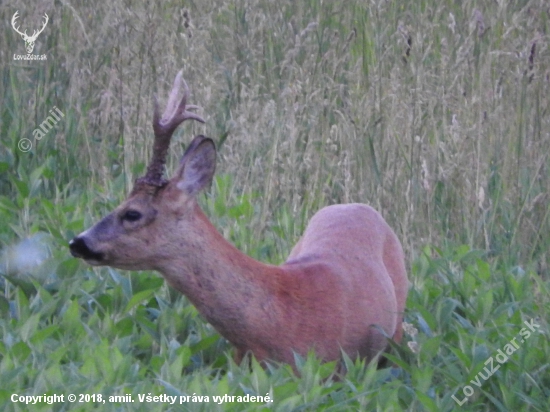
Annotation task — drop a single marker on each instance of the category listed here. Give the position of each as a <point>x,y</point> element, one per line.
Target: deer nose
<point>80,249</point>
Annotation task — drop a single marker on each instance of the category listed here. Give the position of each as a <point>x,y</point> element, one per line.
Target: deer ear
<point>197,165</point>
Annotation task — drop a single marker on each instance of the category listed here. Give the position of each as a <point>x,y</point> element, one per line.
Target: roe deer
<point>343,286</point>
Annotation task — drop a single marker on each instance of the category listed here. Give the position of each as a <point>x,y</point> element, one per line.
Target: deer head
<point>124,238</point>
<point>29,40</point>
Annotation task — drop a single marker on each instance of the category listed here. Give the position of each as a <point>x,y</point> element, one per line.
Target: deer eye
<point>131,215</point>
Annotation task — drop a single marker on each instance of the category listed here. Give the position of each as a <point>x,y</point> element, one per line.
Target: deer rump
<point>342,288</point>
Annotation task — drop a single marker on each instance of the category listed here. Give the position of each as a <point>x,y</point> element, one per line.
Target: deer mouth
<point>80,249</point>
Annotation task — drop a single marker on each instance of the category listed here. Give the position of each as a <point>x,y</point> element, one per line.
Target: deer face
<point>147,226</point>
<point>122,238</point>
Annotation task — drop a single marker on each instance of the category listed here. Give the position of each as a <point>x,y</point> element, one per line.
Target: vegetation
<point>435,112</point>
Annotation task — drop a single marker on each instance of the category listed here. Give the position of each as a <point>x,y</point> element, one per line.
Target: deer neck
<point>225,285</point>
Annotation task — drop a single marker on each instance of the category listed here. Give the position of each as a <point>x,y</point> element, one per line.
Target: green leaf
<point>24,285</point>
<point>180,361</point>
<point>21,351</point>
<point>71,317</point>
<point>430,348</point>
<point>4,307</point>
<point>484,270</point>
<point>22,188</point>
<point>204,343</point>
<point>7,204</point>
<point>22,304</point>
<point>138,298</point>
<point>89,368</point>
<point>124,327</point>
<point>42,334</point>
<point>29,327</point>
<point>485,301</point>
<point>427,402</point>
<point>68,268</point>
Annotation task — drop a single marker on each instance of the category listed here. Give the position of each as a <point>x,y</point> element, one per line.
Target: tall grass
<point>436,113</point>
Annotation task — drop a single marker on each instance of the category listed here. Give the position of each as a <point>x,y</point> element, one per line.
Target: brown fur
<point>343,286</point>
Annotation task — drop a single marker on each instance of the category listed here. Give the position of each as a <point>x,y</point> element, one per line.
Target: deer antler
<point>174,114</point>
<point>13,19</point>
<point>35,32</point>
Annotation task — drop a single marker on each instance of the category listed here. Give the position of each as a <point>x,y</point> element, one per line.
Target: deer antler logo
<point>29,40</point>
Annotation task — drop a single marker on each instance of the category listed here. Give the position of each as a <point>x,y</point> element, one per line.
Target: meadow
<point>436,113</point>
